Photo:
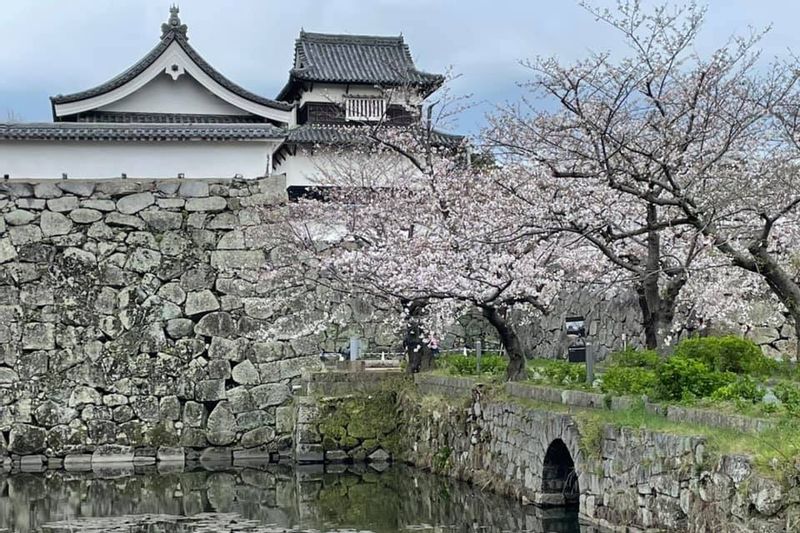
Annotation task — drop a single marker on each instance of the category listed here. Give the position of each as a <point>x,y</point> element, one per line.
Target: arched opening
<point>559,478</point>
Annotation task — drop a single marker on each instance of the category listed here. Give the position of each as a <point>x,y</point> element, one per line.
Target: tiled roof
<point>165,118</point>
<point>374,60</point>
<point>170,34</point>
<point>64,131</point>
<point>337,134</point>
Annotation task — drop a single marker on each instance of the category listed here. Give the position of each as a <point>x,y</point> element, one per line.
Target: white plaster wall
<point>98,160</point>
<point>329,92</point>
<point>311,166</point>
<point>300,170</point>
<point>184,95</point>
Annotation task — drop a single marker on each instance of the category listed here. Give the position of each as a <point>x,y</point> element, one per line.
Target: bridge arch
<point>560,486</point>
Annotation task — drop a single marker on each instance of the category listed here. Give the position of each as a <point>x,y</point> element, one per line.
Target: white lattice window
<point>364,108</point>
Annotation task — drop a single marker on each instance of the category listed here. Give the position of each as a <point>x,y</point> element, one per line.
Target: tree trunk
<point>658,308</point>
<point>418,353</point>
<point>783,286</point>
<point>516,370</point>
<point>656,320</point>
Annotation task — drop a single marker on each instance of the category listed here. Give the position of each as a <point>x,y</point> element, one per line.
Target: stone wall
<point>631,478</point>
<point>132,317</point>
<point>615,323</point>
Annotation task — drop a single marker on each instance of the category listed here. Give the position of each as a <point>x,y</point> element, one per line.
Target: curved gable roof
<point>365,59</point>
<point>173,31</point>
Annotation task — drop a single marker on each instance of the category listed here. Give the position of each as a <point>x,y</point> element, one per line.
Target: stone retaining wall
<point>616,322</point>
<point>451,386</point>
<point>131,318</point>
<point>630,478</point>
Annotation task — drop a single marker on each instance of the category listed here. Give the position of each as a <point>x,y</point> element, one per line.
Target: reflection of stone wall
<point>131,314</point>
<point>264,499</point>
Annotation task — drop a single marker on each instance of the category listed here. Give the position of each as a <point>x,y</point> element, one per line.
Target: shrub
<point>725,354</point>
<point>557,372</point>
<point>623,380</point>
<point>683,378</point>
<point>632,358</point>
<point>789,395</point>
<point>463,365</point>
<point>743,390</point>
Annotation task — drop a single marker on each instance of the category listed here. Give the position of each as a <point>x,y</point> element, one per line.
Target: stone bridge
<point>542,453</point>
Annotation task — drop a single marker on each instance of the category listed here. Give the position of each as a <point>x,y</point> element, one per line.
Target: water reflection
<point>262,499</point>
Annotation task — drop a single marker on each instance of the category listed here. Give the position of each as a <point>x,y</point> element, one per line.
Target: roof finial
<point>174,23</point>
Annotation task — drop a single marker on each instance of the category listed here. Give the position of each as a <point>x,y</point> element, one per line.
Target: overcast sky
<point>56,46</point>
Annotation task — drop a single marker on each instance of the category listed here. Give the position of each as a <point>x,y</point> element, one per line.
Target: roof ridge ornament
<point>173,25</point>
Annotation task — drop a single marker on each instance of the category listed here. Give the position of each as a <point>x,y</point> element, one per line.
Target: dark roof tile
<point>64,131</point>
<point>165,118</point>
<point>337,134</point>
<point>367,59</point>
<point>171,33</point>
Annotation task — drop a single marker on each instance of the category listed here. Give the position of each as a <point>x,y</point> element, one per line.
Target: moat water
<point>262,499</point>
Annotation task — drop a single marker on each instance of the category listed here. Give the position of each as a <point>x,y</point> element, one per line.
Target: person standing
<point>433,344</point>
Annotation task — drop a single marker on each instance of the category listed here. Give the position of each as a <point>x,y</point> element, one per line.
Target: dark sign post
<point>576,328</point>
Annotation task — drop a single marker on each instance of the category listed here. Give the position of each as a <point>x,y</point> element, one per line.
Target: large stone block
<point>258,308</point>
<point>146,408</point>
<point>193,189</point>
<point>257,437</point>
<point>26,439</point>
<point>245,373</point>
<point>221,425</point>
<point>7,251</point>
<point>133,203</point>
<point>213,204</point>
<point>105,206</point>
<point>240,399</point>
<point>219,369</point>
<point>85,216</point>
<point>162,221</point>
<point>179,327</point>
<point>22,235</point>
<point>125,221</point>
<point>19,217</point>
<point>54,224</point>
<point>112,454</point>
<point>210,390</point>
<point>221,348</point>
<point>255,419</point>
<point>200,302</point>
<point>282,370</point>
<point>237,259</point>
<point>270,395</point>
<point>38,336</point>
<point>84,395</point>
<point>78,188</point>
<point>47,190</point>
<point>170,408</point>
<point>50,414</point>
<point>63,205</point>
<point>194,414</point>
<point>8,376</point>
<point>143,260</point>
<point>218,324</point>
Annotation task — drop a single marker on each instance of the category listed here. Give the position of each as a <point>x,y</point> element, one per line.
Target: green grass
<point>773,451</point>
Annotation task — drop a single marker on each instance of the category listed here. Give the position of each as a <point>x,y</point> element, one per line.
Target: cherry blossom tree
<point>667,162</point>
<point>405,220</point>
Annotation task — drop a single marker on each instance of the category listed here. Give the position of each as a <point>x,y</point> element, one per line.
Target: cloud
<point>62,47</point>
